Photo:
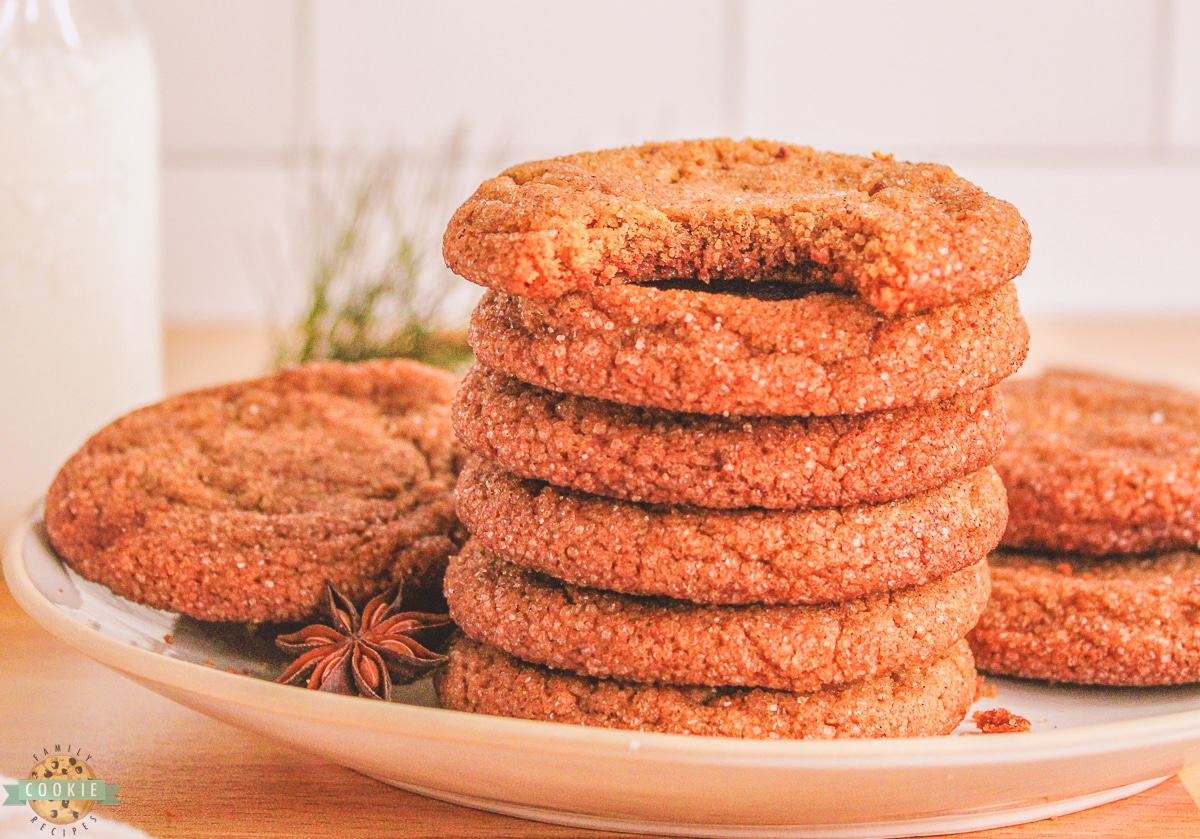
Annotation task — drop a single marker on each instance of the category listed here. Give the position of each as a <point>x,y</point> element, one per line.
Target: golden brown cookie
<point>907,237</point>
<point>639,639</point>
<point>749,349</point>
<point>732,556</point>
<point>926,700</point>
<point>235,503</point>
<point>1099,465</point>
<point>658,457</point>
<point>1117,620</point>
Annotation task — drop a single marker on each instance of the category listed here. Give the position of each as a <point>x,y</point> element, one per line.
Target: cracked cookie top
<point>1100,465</point>
<point>235,503</point>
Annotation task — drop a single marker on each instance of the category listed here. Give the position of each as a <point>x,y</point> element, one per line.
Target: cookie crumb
<point>169,638</point>
<point>1000,721</point>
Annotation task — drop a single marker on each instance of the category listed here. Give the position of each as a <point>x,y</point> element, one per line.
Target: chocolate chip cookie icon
<point>60,768</point>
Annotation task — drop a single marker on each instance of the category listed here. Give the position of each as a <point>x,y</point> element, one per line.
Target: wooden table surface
<point>185,775</point>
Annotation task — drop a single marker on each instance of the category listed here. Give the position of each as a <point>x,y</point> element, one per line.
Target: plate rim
<point>449,725</point>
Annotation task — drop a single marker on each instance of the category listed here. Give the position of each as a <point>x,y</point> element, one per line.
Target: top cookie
<point>907,237</point>
<point>235,503</point>
<point>1097,465</point>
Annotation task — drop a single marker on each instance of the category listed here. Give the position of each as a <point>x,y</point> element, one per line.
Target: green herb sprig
<point>371,291</point>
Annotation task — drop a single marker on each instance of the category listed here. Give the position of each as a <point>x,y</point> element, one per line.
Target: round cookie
<point>732,556</point>
<point>236,503</point>
<point>749,349</point>
<point>798,648</point>
<point>926,700</point>
<point>1118,620</point>
<point>62,768</point>
<point>907,237</point>
<point>1097,465</point>
<point>657,457</point>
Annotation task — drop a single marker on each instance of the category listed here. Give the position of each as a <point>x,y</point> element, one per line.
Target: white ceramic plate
<point>1089,746</point>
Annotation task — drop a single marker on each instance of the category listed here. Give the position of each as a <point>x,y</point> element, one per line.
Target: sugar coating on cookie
<point>1099,465</point>
<point>907,237</point>
<point>603,634</point>
<point>659,457</point>
<point>750,349</point>
<point>1114,620</point>
<point>732,556</point>
<point>237,502</point>
<point>926,700</point>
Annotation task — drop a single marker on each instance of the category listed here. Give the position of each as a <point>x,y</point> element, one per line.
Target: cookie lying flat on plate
<point>1116,620</point>
<point>657,457</point>
<point>907,237</point>
<point>640,639</point>
<point>1098,465</point>
<point>732,556</point>
<point>750,349</point>
<point>926,700</point>
<point>235,503</point>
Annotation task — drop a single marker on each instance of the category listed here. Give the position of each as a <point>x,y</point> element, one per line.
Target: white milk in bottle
<point>80,327</point>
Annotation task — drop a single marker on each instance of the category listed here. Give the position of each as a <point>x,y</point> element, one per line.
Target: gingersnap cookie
<point>236,503</point>
<point>1099,465</point>
<point>732,556</point>
<point>925,700</point>
<point>907,237</point>
<point>659,457</point>
<point>642,639</point>
<point>1115,620</point>
<point>749,349</point>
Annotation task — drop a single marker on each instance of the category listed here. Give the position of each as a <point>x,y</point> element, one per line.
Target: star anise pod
<point>365,655</point>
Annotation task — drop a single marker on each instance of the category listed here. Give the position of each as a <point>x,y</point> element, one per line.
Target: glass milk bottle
<point>80,327</point>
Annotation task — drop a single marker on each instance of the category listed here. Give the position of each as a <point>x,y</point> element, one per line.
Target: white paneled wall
<point>554,77</point>
<point>1183,83</point>
<point>950,74</point>
<point>226,73</point>
<point>1084,113</point>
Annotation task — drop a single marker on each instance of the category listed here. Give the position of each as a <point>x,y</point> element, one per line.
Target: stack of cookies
<point>1099,580</point>
<point>732,422</point>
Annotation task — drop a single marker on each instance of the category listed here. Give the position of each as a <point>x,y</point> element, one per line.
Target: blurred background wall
<point>1084,113</point>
